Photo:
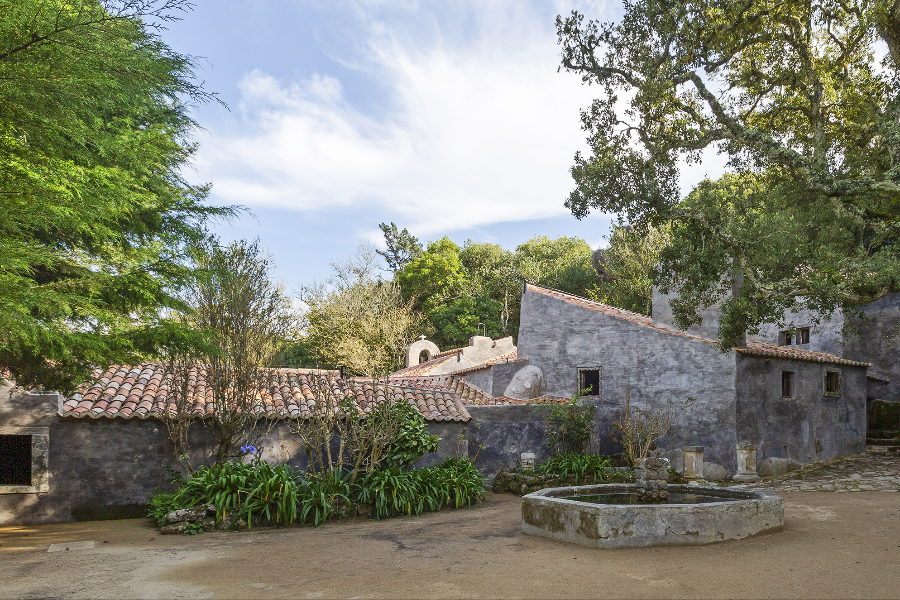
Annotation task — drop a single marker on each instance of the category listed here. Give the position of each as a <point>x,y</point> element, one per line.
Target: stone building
<point>792,401</point>
<point>805,401</point>
<point>104,450</point>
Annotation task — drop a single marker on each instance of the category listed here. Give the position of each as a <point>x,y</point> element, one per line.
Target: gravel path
<point>854,473</point>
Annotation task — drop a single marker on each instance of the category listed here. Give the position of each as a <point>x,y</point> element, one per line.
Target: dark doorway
<point>15,460</point>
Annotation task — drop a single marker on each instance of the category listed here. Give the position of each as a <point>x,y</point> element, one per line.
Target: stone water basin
<point>703,515</point>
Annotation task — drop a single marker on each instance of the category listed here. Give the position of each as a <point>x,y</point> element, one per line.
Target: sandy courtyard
<point>833,546</point>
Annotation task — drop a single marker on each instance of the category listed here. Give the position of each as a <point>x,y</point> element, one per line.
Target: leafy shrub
<point>275,496</point>
<point>412,439</point>
<point>465,481</point>
<point>252,490</point>
<point>320,495</point>
<point>161,505</point>
<point>581,468</point>
<point>569,426</point>
<point>394,491</point>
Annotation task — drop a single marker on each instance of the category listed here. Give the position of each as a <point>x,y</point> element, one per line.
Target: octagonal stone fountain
<point>650,512</point>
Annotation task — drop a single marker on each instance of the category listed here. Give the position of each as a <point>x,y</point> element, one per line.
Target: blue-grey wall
<point>808,427</point>
<point>559,337</point>
<point>876,339</point>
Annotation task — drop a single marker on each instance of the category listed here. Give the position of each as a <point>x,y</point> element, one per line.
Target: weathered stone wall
<point>808,427</point>
<point>662,314</point>
<point>825,335</point>
<point>875,339</point>
<point>108,464</point>
<point>559,337</point>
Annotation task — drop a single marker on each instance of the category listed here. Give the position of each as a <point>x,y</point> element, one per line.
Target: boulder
<point>174,528</point>
<point>187,515</point>
<point>772,466</point>
<point>714,471</point>
<point>527,384</point>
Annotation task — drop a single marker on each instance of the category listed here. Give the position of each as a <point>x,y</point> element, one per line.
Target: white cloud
<point>476,132</point>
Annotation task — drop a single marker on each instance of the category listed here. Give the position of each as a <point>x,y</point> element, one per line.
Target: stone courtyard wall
<point>109,466</point>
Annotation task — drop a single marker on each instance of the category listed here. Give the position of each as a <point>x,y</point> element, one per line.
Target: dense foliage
<point>580,469</point>
<point>94,137</point>
<point>458,288</point>
<point>803,98</point>
<point>358,320</point>
<point>454,482</point>
<point>259,492</point>
<point>626,267</point>
<point>568,426</point>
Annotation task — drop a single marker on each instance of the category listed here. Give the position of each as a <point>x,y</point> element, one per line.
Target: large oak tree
<point>803,97</point>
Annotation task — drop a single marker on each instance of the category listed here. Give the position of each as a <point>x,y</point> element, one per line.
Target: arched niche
<point>417,348</point>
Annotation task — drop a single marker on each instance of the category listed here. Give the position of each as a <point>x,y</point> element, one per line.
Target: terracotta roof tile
<point>774,350</point>
<point>285,392</point>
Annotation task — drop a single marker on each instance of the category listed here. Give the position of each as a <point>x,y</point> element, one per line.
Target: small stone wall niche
<point>651,478</point>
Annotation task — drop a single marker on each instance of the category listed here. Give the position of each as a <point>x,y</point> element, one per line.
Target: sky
<point>446,118</point>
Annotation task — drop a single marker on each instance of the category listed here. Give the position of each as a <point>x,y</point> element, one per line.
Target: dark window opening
<point>786,338</point>
<point>803,335</point>
<point>589,382</point>
<point>423,356</point>
<point>15,460</point>
<point>832,383</point>
<point>787,384</point>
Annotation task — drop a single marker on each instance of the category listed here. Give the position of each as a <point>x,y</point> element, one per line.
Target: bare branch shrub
<point>362,437</point>
<point>247,316</point>
<point>180,379</point>
<point>637,429</point>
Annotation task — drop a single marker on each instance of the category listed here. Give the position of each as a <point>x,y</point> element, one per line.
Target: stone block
<point>773,466</point>
<point>714,471</point>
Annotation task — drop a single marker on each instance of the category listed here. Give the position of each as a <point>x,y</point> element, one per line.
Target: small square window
<point>15,460</point>
<point>787,384</point>
<point>589,381</point>
<point>785,338</point>
<point>832,383</point>
<point>24,453</point>
<point>803,335</point>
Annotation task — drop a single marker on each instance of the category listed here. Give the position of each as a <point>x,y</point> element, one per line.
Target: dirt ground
<point>833,546</point>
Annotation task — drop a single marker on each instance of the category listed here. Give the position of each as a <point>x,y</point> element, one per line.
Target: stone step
<point>882,442</point>
<point>883,449</point>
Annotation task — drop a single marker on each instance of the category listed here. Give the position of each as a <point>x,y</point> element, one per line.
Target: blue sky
<point>447,118</point>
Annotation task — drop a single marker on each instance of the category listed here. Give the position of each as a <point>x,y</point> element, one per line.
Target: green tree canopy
<point>94,137</point>
<point>458,288</point>
<point>402,246</point>
<point>807,108</point>
<point>358,320</point>
<point>626,266</point>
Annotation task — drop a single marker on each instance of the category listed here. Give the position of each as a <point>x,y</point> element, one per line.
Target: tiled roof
<point>426,367</point>
<point>753,347</point>
<point>508,357</point>
<point>468,393</point>
<point>141,391</point>
<point>774,350</point>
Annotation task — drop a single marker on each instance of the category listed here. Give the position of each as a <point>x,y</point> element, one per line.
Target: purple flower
<point>248,449</point>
